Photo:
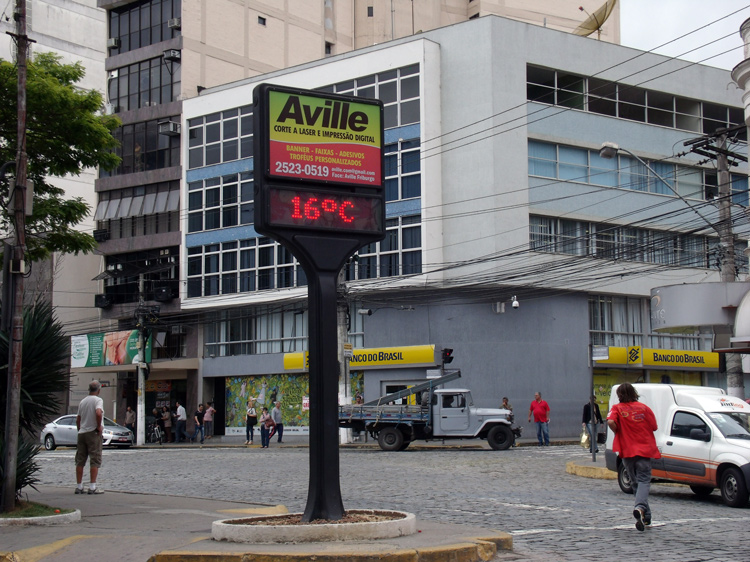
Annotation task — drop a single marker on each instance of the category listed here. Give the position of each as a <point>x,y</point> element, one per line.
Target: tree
<point>44,376</point>
<point>65,134</point>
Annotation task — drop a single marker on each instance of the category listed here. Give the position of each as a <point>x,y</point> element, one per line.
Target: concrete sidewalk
<point>141,527</point>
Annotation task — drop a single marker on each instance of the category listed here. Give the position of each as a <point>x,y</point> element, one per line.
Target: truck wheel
<point>390,439</point>
<point>623,479</point>
<point>733,488</point>
<point>405,445</point>
<point>500,437</point>
<point>702,491</point>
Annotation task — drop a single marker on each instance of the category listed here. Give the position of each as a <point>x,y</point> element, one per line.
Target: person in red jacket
<point>634,424</point>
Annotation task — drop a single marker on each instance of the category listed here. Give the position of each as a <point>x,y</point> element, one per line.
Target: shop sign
<point>108,348</point>
<point>381,357</point>
<point>644,358</point>
<point>158,386</point>
<point>305,402</point>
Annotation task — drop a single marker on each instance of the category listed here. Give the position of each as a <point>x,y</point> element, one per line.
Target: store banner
<point>380,357</point>
<point>108,348</point>
<point>644,358</point>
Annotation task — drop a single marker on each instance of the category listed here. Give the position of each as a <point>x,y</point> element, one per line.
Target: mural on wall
<point>291,390</point>
<point>357,384</point>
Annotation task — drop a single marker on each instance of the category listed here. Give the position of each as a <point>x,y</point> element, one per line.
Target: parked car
<point>63,432</point>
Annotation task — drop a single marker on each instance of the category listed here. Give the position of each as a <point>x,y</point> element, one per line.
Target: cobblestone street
<point>525,491</point>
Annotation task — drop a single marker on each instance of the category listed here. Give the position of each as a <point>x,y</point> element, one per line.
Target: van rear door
<point>687,450</point>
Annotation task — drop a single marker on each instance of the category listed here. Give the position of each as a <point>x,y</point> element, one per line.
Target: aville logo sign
<point>333,114</point>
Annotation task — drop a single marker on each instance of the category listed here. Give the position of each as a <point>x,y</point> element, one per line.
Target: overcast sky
<point>646,24</point>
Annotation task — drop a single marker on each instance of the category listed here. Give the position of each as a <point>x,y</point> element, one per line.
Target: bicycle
<point>154,434</point>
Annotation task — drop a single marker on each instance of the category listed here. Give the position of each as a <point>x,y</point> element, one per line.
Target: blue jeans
<point>592,434</point>
<point>264,433</point>
<point>279,431</point>
<point>639,469</point>
<point>542,432</point>
<point>198,428</point>
<point>249,432</point>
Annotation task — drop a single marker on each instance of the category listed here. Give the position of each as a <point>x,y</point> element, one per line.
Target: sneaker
<point>647,521</point>
<point>638,514</point>
<point>79,490</point>
<point>95,491</point>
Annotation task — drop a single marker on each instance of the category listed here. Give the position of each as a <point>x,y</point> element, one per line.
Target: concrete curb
<point>60,519</point>
<point>589,471</point>
<point>468,550</point>
<point>234,530</point>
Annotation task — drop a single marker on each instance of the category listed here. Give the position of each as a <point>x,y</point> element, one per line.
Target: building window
<point>221,202</point>
<point>261,21</point>
<point>400,253</point>
<point>241,266</point>
<point>595,95</point>
<point>403,178</point>
<point>250,332</point>
<point>575,164</point>
<point>159,268</point>
<point>220,137</point>
<point>144,23</point>
<point>142,148</point>
<point>142,84</point>
<point>398,90</point>
<point>369,11</point>
<point>328,49</point>
<point>139,211</point>
<point>613,242</point>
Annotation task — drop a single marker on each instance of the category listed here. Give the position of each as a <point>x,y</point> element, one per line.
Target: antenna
<point>595,21</point>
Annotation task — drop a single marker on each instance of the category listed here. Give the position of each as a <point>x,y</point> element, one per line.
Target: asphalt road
<point>525,491</point>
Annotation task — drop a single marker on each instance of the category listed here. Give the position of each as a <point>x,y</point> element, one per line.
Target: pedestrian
<point>180,431</point>
<point>251,418</point>
<point>89,422</point>
<point>633,424</point>
<point>198,419</point>
<point>506,405</point>
<point>208,419</point>
<point>266,425</point>
<point>586,420</point>
<point>130,419</point>
<point>166,420</point>
<point>540,409</point>
<point>276,415</point>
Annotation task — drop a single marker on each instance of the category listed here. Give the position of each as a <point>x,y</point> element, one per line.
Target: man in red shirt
<point>634,424</point>
<point>540,409</point>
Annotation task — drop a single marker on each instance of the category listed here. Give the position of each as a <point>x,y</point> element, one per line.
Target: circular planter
<point>245,531</point>
<point>43,521</point>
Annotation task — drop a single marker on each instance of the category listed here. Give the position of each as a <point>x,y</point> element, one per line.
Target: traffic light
<point>447,355</point>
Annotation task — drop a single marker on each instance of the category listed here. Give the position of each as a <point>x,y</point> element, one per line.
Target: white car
<point>63,432</point>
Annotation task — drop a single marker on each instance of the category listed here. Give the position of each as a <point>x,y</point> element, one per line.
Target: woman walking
<point>250,420</point>
<point>166,419</point>
<point>266,426</point>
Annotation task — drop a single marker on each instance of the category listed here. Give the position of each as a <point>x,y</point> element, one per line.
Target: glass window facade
<point>139,211</point>
<point>142,84</point>
<point>220,137</point>
<point>143,23</point>
<point>143,148</point>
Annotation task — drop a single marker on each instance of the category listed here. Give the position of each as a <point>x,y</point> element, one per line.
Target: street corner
<point>588,469</point>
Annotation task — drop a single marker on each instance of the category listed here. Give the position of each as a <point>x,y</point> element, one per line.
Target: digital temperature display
<point>325,210</point>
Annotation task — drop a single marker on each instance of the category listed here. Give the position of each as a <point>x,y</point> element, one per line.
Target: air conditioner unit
<point>101,234</point>
<point>172,55</point>
<point>163,294</point>
<point>113,74</point>
<point>174,23</point>
<point>169,128</point>
<point>110,109</point>
<point>102,301</point>
<point>113,43</point>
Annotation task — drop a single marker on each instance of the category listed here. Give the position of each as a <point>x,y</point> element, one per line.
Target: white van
<point>703,437</point>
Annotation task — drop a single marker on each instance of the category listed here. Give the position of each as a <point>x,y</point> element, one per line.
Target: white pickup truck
<point>703,437</point>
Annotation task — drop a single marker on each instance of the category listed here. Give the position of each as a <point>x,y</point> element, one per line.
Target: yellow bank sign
<point>639,357</point>
<point>378,357</point>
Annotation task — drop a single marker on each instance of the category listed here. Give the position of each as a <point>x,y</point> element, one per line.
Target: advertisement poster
<point>291,390</point>
<point>108,348</point>
<point>314,138</point>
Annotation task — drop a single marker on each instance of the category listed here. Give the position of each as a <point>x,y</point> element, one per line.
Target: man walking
<point>198,419</point>
<point>89,445</point>
<point>540,409</point>
<point>181,420</point>
<point>276,415</point>
<point>634,424</point>
<point>586,420</point>
<point>130,419</point>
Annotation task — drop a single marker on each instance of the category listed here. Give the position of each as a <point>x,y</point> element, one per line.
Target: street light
<point>609,150</point>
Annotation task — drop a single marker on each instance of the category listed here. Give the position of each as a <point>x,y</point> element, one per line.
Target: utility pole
<point>141,406</point>
<point>727,264</point>
<point>15,347</point>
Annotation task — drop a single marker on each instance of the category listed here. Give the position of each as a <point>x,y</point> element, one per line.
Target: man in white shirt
<point>181,420</point>
<point>90,427</point>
